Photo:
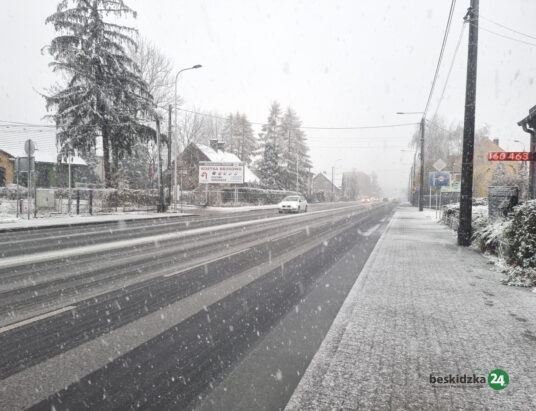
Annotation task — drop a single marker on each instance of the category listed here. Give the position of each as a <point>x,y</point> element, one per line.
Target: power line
<point>312,127</point>
<point>449,72</point>
<point>445,37</point>
<point>507,28</point>
<point>506,37</point>
<point>361,127</point>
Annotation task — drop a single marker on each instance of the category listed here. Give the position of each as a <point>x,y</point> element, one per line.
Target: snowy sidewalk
<point>424,308</point>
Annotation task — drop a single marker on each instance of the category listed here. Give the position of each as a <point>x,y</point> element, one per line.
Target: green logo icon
<point>498,379</point>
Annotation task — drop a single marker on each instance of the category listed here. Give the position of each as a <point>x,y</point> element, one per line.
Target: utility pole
<point>466,200</point>
<point>169,154</point>
<point>29,176</point>
<point>160,207</point>
<point>421,188</point>
<point>332,182</point>
<point>297,173</point>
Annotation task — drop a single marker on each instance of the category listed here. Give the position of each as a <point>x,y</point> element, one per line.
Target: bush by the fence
<point>522,236</point>
<point>9,192</point>
<point>489,236</point>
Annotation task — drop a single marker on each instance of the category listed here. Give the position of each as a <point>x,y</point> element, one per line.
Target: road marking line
<point>8,262</point>
<point>37,318</point>
<point>369,232</point>
<point>205,263</point>
<point>287,235</point>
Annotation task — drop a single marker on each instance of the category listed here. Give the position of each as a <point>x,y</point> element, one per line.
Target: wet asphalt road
<point>181,322</point>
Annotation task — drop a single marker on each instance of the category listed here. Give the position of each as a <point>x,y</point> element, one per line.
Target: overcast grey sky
<point>337,63</point>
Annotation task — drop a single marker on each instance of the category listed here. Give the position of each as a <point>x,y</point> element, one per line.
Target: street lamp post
<point>177,140</point>
<point>421,182</point>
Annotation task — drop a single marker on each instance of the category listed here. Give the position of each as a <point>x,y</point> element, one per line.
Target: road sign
<point>221,173</point>
<point>439,178</point>
<point>439,165</point>
<point>29,147</point>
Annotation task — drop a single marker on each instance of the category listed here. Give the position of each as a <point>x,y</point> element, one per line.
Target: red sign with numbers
<point>510,156</point>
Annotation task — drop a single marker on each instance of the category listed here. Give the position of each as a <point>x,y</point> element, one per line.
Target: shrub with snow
<point>522,237</point>
<point>489,236</point>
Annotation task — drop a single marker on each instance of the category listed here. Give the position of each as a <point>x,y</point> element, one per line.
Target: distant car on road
<point>293,204</point>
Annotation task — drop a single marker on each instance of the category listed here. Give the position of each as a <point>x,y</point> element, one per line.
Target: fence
<point>76,201</point>
<point>236,196</point>
<point>436,201</point>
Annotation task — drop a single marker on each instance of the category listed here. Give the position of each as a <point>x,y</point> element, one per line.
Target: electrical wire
<point>449,72</point>
<point>506,27</point>
<point>445,37</point>
<point>312,127</point>
<point>506,37</point>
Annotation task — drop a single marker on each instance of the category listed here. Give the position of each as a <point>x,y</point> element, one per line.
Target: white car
<point>293,204</point>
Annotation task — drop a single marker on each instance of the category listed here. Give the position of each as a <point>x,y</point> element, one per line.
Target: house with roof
<point>323,189</point>
<point>7,170</point>
<point>195,152</point>
<point>50,169</point>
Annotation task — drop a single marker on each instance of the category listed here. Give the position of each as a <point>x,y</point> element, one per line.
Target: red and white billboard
<point>221,173</point>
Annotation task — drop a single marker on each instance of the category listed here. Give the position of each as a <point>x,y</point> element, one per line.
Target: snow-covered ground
<point>9,220</point>
<point>242,208</point>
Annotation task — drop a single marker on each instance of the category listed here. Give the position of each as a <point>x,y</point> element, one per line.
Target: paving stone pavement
<point>423,306</point>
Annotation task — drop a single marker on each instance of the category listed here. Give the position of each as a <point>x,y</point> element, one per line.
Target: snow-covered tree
<point>105,93</point>
<point>283,133</point>
<point>272,131</point>
<point>268,169</point>
<point>156,69</point>
<point>136,171</point>
<point>238,136</point>
<point>190,128</point>
<point>211,127</point>
<point>295,153</point>
<point>441,141</point>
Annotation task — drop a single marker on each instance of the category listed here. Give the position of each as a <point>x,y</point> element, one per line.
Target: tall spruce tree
<point>105,94</point>
<point>271,172</point>
<point>295,152</point>
<point>239,137</point>
<point>268,168</point>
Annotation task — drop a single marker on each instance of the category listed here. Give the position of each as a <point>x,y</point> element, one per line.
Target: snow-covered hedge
<point>489,236</point>
<point>9,192</point>
<point>513,240</point>
<point>521,235</point>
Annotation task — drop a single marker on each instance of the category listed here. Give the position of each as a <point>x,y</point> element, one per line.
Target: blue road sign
<point>439,178</point>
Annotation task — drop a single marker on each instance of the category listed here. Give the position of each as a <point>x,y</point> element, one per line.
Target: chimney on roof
<point>496,141</point>
<point>221,145</point>
<point>213,144</point>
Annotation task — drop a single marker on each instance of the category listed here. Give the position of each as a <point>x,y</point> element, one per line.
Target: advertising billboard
<point>221,173</point>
